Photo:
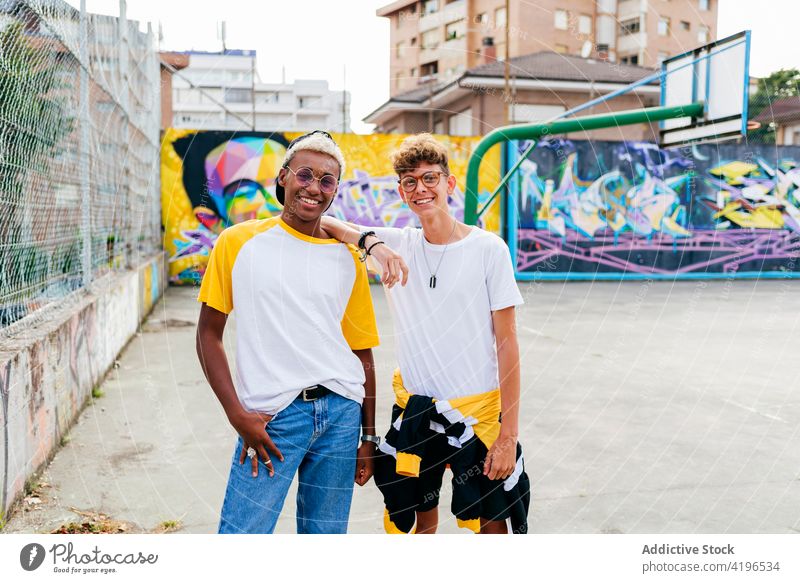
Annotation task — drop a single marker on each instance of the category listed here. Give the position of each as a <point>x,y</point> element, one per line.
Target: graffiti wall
<point>632,208</point>
<point>212,179</point>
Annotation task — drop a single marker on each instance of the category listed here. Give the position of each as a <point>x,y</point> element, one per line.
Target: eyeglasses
<point>305,178</point>
<point>430,179</point>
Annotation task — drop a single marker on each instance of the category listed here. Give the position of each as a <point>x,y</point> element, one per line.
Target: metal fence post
<point>124,188</point>
<point>85,121</point>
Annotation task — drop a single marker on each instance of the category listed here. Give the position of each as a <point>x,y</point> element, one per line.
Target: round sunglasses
<point>328,183</point>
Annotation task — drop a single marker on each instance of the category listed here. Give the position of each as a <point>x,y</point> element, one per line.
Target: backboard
<point>716,74</point>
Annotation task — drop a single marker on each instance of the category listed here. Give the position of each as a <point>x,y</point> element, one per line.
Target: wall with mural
<point>212,179</point>
<point>630,207</point>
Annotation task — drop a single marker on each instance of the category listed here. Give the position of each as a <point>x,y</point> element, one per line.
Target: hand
<point>252,428</point>
<point>365,462</point>
<point>393,266</point>
<point>329,226</point>
<point>501,458</point>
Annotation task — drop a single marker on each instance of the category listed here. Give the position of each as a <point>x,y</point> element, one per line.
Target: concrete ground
<point>646,408</point>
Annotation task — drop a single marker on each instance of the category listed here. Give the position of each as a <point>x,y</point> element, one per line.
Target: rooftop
<point>393,7</point>
<point>545,65</point>
<point>786,109</point>
<point>561,67</point>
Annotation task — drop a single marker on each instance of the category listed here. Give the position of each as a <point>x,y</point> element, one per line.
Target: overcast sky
<point>316,39</point>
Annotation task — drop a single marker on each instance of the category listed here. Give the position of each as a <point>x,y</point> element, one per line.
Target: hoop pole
<point>536,131</point>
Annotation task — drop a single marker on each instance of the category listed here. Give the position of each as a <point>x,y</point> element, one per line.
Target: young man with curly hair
<point>457,388</point>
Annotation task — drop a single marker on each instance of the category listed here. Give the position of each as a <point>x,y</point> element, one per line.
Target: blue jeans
<point>318,440</point>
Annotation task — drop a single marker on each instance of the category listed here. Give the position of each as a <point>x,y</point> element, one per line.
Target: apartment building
<point>222,91</point>
<point>444,38</point>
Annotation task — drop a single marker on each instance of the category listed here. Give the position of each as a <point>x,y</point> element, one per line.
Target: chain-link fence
<point>79,151</point>
<point>774,109</point>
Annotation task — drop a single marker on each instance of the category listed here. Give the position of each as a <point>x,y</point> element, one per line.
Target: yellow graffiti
<point>762,217</point>
<point>733,172</point>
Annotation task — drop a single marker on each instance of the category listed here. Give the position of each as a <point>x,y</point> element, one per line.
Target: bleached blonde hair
<point>317,143</point>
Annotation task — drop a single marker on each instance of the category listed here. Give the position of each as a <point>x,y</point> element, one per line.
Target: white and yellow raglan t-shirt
<point>302,305</point>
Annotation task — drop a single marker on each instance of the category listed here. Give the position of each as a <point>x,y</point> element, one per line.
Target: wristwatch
<point>371,438</point>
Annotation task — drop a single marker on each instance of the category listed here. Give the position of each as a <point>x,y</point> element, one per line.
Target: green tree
<point>778,85</point>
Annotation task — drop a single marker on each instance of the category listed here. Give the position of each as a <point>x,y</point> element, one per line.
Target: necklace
<point>432,280</point>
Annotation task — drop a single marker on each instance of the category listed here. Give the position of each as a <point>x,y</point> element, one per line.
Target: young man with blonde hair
<point>458,360</point>
<point>305,331</point>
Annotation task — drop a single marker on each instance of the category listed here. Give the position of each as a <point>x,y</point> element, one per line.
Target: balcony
<point>630,9</point>
<point>432,54</point>
<point>453,11</point>
<point>631,43</point>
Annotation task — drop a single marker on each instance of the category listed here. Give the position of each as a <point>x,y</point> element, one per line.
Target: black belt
<point>314,392</point>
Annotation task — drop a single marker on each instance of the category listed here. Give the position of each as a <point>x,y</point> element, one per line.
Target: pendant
<point>432,282</point>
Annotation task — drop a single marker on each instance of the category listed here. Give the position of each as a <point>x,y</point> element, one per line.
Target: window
<point>585,24</point>
<point>702,35</point>
<point>630,60</point>
<point>413,41</point>
<point>308,101</point>
<point>430,68</point>
<point>560,19</point>
<point>455,30</point>
<point>703,4</point>
<point>431,6</point>
<point>561,49</point>
<point>501,51</point>
<point>530,113</point>
<point>430,39</point>
<point>630,26</point>
<point>237,95</point>
<point>481,18</point>
<point>460,124</point>
<point>398,50</point>
<point>663,26</point>
<point>500,17</point>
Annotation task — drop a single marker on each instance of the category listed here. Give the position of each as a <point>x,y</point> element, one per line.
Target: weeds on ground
<point>168,526</point>
<point>92,523</point>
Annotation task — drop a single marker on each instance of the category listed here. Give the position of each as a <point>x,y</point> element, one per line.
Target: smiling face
<point>307,203</point>
<point>427,200</point>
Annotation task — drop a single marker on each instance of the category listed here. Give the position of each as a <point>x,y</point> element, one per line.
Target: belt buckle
<point>305,398</point>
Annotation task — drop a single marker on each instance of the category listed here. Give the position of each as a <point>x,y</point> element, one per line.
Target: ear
<point>451,183</point>
<point>282,177</point>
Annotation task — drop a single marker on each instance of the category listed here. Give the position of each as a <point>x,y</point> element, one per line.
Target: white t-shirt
<point>302,306</point>
<point>445,336</point>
